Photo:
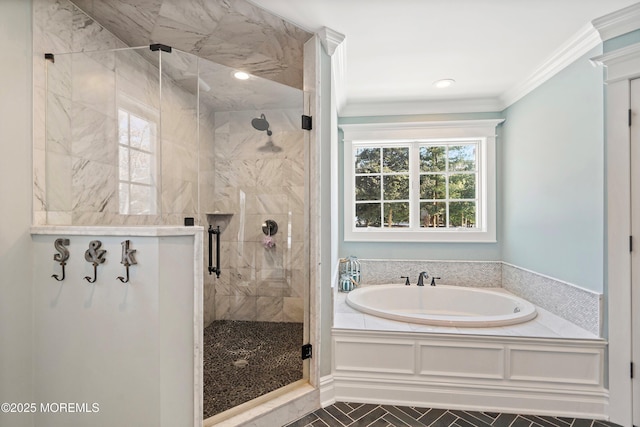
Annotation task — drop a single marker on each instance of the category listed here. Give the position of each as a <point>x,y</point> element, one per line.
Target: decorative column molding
<point>330,39</point>
<point>334,44</point>
<point>622,65</point>
<point>618,23</point>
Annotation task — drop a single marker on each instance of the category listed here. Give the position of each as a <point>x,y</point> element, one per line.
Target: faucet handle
<point>406,282</point>
<point>433,280</point>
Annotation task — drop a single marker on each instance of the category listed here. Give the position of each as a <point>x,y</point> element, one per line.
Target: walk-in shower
<point>151,137</point>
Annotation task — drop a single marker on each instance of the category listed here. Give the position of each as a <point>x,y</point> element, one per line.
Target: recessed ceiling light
<point>441,84</point>
<point>241,75</point>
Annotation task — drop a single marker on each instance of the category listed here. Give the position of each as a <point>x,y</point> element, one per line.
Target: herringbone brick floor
<point>343,414</point>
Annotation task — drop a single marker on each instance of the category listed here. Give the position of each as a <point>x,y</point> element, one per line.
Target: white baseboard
<point>473,398</point>
<point>327,391</point>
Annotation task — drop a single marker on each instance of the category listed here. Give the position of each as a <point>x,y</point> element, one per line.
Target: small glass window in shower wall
<point>137,164</point>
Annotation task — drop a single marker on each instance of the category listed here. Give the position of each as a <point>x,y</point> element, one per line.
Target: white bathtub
<point>442,305</point>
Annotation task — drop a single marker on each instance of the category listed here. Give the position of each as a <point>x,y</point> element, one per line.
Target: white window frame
<point>388,134</point>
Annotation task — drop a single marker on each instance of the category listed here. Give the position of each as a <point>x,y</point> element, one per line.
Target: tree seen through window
<point>446,192</point>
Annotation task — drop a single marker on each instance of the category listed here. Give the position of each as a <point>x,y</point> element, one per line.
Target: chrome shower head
<point>261,124</point>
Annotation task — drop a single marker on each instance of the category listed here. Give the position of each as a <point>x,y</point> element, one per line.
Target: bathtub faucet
<point>421,277</point>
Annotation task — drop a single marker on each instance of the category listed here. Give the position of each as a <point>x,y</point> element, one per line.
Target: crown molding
<point>618,23</point>
<point>334,44</point>
<point>590,36</point>
<point>622,64</point>
<point>601,29</point>
<point>404,108</point>
<point>581,43</point>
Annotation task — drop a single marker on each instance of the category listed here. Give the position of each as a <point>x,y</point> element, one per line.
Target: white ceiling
<point>396,49</point>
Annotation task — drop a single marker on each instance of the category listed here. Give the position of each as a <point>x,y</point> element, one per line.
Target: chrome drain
<point>240,363</point>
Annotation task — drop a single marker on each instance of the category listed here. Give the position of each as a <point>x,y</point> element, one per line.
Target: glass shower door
<point>253,166</point>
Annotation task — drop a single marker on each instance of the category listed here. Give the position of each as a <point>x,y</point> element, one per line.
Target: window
<point>137,164</point>
<point>432,181</point>
<point>381,186</point>
<point>449,184</point>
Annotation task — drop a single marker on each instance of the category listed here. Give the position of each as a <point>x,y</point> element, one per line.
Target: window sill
<point>431,236</point>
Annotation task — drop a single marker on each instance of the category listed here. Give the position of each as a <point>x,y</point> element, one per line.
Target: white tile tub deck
<point>544,325</point>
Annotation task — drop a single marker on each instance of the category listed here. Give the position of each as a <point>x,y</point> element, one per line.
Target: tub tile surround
<point>461,273</point>
<point>577,305</point>
<point>579,308</point>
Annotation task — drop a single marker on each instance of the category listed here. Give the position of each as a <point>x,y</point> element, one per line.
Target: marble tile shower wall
<point>75,154</point>
<point>258,177</point>
<point>58,26</point>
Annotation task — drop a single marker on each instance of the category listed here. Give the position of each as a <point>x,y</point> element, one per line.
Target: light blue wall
<point>553,177</point>
<point>415,250</point>
<point>550,183</point>
<point>621,41</point>
<point>16,248</point>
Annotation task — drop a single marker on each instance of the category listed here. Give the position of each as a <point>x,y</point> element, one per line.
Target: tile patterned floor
<point>364,415</point>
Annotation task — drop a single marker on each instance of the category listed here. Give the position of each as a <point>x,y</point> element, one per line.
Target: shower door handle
<point>215,269</point>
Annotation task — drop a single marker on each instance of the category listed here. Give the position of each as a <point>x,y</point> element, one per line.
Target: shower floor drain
<point>240,363</point>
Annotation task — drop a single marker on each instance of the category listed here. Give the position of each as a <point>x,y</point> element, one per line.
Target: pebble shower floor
<point>244,360</point>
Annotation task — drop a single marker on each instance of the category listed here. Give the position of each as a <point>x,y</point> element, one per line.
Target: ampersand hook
<point>94,255</point>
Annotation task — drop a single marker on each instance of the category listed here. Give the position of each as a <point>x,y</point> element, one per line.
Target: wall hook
<point>127,259</point>
<point>95,274</point>
<point>62,256</point>
<point>121,278</point>
<point>94,255</point>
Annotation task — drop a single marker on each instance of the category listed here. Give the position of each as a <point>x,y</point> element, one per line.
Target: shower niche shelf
<point>221,219</point>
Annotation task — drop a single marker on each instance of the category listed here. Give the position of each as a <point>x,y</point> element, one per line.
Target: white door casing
<point>634,150</point>
<point>622,66</point>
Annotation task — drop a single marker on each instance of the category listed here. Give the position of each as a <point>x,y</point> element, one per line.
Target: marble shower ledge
<point>149,231</point>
